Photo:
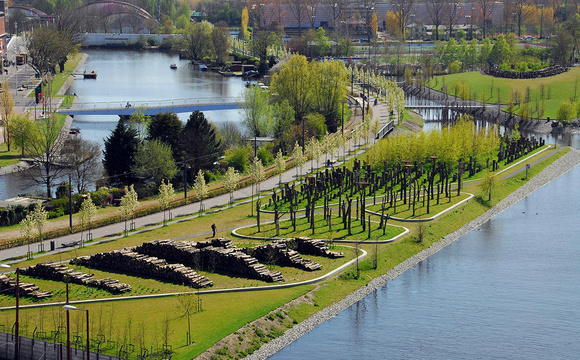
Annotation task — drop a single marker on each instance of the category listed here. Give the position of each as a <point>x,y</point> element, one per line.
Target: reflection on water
<point>125,75</point>
<point>504,291</point>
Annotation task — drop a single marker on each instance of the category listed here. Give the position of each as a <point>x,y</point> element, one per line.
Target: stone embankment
<point>559,167</point>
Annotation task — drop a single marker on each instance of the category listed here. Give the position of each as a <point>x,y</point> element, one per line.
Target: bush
<point>238,158</point>
<point>265,154</point>
<point>316,124</point>
<point>100,196</point>
<point>455,67</point>
<point>209,176</point>
<point>117,193</point>
<point>566,111</point>
<point>58,204</point>
<point>62,190</point>
<point>146,190</point>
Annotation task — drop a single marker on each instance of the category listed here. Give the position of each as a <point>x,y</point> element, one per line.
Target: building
<point>353,16</point>
<point>3,8</point>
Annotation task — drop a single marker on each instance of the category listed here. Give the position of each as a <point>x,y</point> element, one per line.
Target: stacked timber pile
<point>127,260</point>
<point>219,242</point>
<point>309,246</point>
<point>8,285</point>
<point>60,272</point>
<point>219,254</point>
<point>278,253</point>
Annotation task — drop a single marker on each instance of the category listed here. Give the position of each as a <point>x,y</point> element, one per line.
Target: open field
<point>556,89</point>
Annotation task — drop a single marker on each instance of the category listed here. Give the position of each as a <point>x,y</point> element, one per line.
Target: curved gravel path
<point>559,167</point>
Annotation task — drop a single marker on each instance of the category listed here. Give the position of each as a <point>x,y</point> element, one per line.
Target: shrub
<point>209,176</point>
<point>117,193</point>
<point>455,67</point>
<point>146,190</point>
<point>99,197</point>
<point>238,158</point>
<point>265,154</point>
<point>317,123</point>
<point>565,111</point>
<point>58,204</point>
<point>62,190</point>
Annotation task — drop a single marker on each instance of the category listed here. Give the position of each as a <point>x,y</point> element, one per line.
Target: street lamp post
<point>17,323</point>
<point>71,307</point>
<point>541,18</point>
<point>342,116</point>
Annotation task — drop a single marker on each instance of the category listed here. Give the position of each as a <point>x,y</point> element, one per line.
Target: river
<point>135,76</point>
<point>508,290</point>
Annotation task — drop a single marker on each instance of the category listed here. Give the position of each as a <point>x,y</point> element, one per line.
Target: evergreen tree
<point>167,128</point>
<point>119,154</point>
<point>200,143</point>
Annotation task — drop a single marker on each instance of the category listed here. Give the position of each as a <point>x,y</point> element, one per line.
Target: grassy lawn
<point>60,78</point>
<point>405,211</point>
<point>321,229</point>
<point>148,322</point>
<point>9,157</point>
<point>556,88</point>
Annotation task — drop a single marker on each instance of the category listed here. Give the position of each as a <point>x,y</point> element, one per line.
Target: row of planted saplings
<point>403,182</point>
<point>402,176</point>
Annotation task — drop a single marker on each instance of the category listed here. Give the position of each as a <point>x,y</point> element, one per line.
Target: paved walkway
<point>190,210</point>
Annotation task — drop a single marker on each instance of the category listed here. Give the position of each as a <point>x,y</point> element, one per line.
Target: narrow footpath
<point>115,231</point>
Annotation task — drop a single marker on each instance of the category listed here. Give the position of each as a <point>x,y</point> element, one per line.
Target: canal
<point>125,75</point>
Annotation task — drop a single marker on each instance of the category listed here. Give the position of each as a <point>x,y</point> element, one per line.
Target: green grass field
<point>556,89</point>
<point>322,231</point>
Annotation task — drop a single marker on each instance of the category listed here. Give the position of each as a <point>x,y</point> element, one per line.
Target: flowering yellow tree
<point>245,19</point>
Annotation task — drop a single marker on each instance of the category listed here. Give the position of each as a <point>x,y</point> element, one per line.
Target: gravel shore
<point>559,167</point>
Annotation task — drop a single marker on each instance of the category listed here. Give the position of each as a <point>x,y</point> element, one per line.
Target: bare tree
<point>44,145</point>
<point>436,12</point>
<point>404,8</point>
<point>299,12</point>
<point>83,158</point>
<point>311,8</point>
<point>484,8</point>
<point>188,304</point>
<point>522,11</point>
<point>451,14</point>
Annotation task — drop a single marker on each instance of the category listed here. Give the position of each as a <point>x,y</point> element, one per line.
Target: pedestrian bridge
<point>153,107</point>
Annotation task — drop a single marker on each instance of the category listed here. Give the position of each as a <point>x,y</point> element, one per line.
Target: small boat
<point>173,66</point>
<point>202,67</point>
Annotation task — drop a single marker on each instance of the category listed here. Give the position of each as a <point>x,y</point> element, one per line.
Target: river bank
<point>553,171</point>
<point>491,112</point>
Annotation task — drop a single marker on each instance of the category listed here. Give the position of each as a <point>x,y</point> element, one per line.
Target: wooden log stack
<point>216,255</point>
<point>309,246</point>
<point>278,253</point>
<point>60,272</point>
<point>127,260</point>
<point>8,285</point>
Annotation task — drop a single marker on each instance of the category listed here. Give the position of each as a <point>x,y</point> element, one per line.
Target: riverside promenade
<point>115,231</point>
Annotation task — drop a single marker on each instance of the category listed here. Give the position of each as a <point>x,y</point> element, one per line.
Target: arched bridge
<point>153,107</point>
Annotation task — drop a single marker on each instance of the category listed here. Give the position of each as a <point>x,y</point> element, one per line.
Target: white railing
<point>155,103</point>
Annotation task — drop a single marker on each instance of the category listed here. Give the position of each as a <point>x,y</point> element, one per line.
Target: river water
<point>508,290</point>
<point>135,76</point>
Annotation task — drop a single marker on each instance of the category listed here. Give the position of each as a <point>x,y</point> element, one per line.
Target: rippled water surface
<point>508,290</point>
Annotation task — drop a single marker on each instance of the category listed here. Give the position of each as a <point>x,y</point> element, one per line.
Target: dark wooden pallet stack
<point>278,253</point>
<point>216,255</point>
<point>60,272</point>
<point>8,285</point>
<point>127,260</point>
<point>309,246</point>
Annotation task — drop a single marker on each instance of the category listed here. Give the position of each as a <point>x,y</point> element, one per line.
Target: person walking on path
<point>214,229</point>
